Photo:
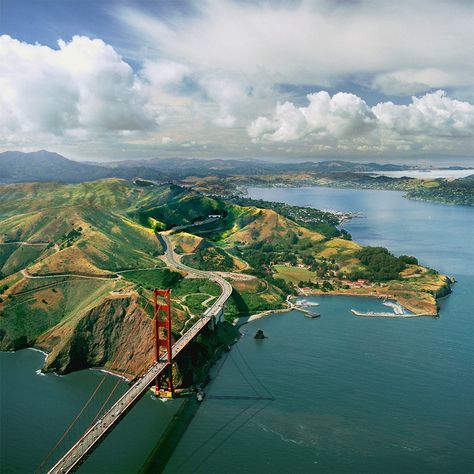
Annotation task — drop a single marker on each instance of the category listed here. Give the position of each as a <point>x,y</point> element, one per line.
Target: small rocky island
<point>259,334</point>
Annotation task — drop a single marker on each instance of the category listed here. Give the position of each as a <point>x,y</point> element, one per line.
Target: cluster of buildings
<point>361,282</point>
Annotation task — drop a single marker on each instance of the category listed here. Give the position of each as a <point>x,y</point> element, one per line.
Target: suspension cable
<point>74,421</point>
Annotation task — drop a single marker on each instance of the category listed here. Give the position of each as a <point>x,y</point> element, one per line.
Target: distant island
<point>78,263</point>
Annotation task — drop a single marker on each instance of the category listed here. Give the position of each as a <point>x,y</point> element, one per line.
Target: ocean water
<point>36,409</point>
<point>351,395</point>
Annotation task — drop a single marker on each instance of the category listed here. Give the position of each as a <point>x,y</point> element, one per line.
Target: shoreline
<point>389,297</point>
<point>264,314</point>
<point>342,186</point>
<point>109,372</point>
<point>292,306</point>
<point>95,369</point>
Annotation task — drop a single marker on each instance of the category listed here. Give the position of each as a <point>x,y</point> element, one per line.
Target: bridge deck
<point>95,434</point>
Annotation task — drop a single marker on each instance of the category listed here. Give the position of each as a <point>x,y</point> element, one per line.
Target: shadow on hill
<point>240,303</point>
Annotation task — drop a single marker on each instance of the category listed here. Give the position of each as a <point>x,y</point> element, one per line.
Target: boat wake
<point>283,438</point>
<point>306,303</point>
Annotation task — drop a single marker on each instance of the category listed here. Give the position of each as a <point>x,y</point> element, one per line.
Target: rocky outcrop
<point>444,289</point>
<point>118,336</point>
<point>115,335</point>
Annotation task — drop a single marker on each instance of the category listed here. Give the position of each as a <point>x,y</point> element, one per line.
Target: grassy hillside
<point>74,254</point>
<point>85,228</point>
<point>63,233</point>
<point>69,251</point>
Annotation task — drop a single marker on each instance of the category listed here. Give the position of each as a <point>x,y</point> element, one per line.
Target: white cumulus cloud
<point>82,87</point>
<point>345,120</point>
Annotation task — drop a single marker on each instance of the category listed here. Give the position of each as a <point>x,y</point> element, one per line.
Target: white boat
<point>200,396</point>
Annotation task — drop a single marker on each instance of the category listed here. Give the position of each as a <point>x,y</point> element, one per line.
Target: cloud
<point>401,47</point>
<point>340,116</point>
<point>434,115</point>
<point>214,96</point>
<point>226,62</point>
<point>83,87</point>
<point>203,74</point>
<point>165,74</point>
<point>414,81</point>
<point>346,121</point>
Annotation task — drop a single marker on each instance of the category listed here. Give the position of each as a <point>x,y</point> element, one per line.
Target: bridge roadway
<point>102,427</point>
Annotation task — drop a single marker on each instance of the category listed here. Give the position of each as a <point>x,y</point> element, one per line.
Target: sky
<point>287,80</point>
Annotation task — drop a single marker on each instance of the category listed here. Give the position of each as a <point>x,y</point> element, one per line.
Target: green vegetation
<point>409,260</point>
<point>210,258</point>
<point>245,301</point>
<point>192,292</point>
<point>380,264</point>
<point>294,275</point>
<point>458,191</point>
<point>184,208</point>
<point>196,285</point>
<point>313,219</point>
<point>68,239</point>
<point>159,278</point>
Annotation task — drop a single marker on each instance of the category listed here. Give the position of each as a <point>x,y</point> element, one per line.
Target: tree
<point>408,259</point>
<point>327,285</point>
<point>292,238</point>
<point>381,264</point>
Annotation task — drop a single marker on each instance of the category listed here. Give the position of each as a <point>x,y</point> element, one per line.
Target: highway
<point>97,432</point>
<point>171,260</point>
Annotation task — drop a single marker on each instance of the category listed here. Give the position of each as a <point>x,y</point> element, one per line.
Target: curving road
<point>171,260</point>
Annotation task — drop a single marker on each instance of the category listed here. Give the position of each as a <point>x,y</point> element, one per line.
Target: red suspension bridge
<point>103,423</point>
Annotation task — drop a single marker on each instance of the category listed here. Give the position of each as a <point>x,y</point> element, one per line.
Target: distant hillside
<point>183,167</point>
<point>16,166</point>
<point>459,191</point>
<point>225,177</point>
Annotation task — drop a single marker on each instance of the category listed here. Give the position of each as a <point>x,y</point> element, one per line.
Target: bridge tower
<point>163,343</point>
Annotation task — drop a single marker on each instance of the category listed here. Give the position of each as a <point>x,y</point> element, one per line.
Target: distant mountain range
<point>43,165</point>
<point>183,166</point>
<point>16,166</point>
<point>218,176</point>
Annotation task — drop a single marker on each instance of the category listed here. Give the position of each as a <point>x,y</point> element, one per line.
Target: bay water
<point>336,394</point>
<point>352,395</point>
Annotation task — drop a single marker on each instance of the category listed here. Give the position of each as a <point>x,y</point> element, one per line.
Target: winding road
<point>171,260</point>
